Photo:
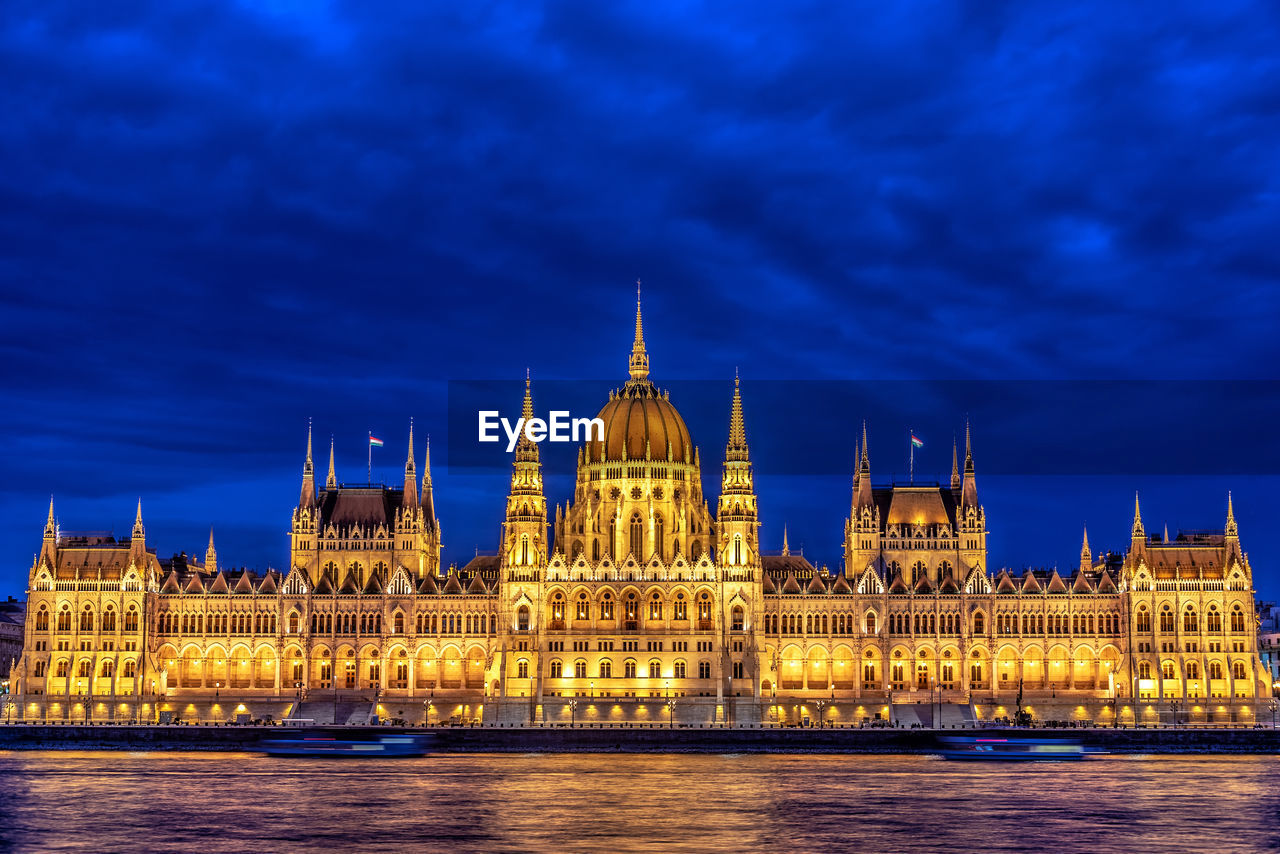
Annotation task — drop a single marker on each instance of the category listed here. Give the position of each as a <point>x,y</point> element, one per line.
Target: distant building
<point>1269,640</point>
<point>639,600</point>
<point>12,619</point>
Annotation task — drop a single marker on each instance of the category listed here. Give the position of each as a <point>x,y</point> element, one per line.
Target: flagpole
<point>370,471</point>
<point>911,436</point>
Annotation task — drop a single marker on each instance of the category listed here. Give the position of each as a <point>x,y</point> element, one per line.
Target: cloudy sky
<point>220,220</point>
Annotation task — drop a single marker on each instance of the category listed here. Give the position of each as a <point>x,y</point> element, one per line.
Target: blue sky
<point>220,220</point>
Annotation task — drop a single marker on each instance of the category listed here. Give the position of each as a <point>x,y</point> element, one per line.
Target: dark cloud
<point>222,219</point>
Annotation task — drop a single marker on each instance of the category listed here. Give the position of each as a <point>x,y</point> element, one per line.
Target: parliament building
<point>641,600</point>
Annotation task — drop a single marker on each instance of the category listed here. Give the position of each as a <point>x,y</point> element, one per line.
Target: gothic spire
<point>50,526</point>
<point>639,362</point>
<point>137,520</point>
<point>1231,531</point>
<point>955,467</point>
<point>1086,556</point>
<point>786,549</point>
<point>211,555</point>
<point>864,473</point>
<point>308,495</point>
<point>737,447</point>
<point>1138,531</point>
<point>331,482</point>
<point>410,474</point>
<point>969,485</point>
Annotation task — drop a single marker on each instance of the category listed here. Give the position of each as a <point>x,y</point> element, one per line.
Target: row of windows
<point>604,670</point>
<point>86,619</point>
<point>108,668</point>
<point>1190,619</point>
<point>1168,670</point>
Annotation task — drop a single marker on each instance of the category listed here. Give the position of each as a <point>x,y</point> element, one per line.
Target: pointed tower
<point>430,563</point>
<point>1138,535</point>
<point>862,537</point>
<point>308,496</point>
<point>638,365</point>
<point>969,486</point>
<point>49,545</point>
<point>1086,556</point>
<point>138,539</point>
<point>737,519</point>
<point>331,482</point>
<point>410,475</point>
<point>524,550</point>
<point>955,467</point>
<point>786,549</point>
<point>1231,535</point>
<point>211,556</point>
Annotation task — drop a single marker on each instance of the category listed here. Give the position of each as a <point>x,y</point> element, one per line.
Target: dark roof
<point>360,505</point>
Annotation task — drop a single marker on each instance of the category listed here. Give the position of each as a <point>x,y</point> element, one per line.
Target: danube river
<point>215,802</point>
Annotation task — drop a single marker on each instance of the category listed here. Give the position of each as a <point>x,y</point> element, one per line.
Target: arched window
<point>655,606</point>
<point>606,606</point>
<point>580,669</point>
<point>655,670</point>
<point>130,669</point>
<point>658,536</point>
<point>704,669</point>
<point>1144,669</point>
<point>1238,670</point>
<point>522,668</point>
<point>871,622</point>
<point>522,618</point>
<point>557,669</point>
<point>293,622</point>
<point>595,550</point>
<point>1166,620</point>
<point>1166,670</point>
<point>979,624</point>
<point>1193,670</point>
<point>86,619</point>
<point>1144,619</point>
<point>680,672</point>
<point>1237,619</point>
<point>629,668</point>
<point>524,549</point>
<point>63,669</point>
<point>1215,669</point>
<point>584,607</point>
<point>704,608</point>
<point>109,619</point>
<point>42,619</point>
<point>1189,621</point>
<point>108,667</point>
<point>397,624</point>
<point>637,537</point>
<point>64,619</point>
<point>1214,620</point>
<point>606,669</point>
<point>737,548</point>
<point>681,608</point>
<point>737,618</point>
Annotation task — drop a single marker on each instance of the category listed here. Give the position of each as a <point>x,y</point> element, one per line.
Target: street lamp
<point>573,713</point>
<point>1273,705</point>
<point>1174,705</point>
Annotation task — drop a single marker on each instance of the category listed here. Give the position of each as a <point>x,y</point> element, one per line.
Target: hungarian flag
<point>916,443</point>
<point>374,441</point>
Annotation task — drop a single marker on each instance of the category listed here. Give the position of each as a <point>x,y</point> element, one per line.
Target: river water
<point>216,802</point>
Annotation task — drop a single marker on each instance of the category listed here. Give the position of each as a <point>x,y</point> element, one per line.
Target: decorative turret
<point>968,486</point>
<point>331,482</point>
<point>1231,531</point>
<point>50,526</point>
<point>1086,556</point>
<point>211,556</point>
<point>737,519</point>
<point>428,497</point>
<point>786,549</point>
<point>1138,536</point>
<point>49,546</point>
<point>864,475</point>
<point>138,538</point>
<point>308,495</point>
<point>955,467</point>
<point>410,475</point>
<point>525,528</point>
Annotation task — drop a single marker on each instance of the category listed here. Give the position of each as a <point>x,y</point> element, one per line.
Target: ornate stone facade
<point>637,604</point>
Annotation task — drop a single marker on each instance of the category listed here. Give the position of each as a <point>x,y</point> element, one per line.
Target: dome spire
<point>639,362</point>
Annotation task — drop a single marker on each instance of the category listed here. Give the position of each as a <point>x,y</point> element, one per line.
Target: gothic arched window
<point>637,536</point>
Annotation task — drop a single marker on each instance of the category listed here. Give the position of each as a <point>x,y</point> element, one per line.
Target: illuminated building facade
<point>640,601</point>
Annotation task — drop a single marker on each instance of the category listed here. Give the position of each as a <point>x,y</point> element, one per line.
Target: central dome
<point>640,423</point>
